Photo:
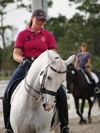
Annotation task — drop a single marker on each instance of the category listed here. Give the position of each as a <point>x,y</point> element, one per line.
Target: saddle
<point>88,77</point>
<point>13,87</point>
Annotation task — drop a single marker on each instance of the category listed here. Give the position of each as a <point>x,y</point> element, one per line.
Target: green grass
<point>68,97</point>
<point>68,106</point>
<point>86,105</point>
<point>4,78</point>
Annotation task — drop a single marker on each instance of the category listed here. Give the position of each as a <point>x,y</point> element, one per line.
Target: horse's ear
<point>70,59</point>
<point>51,56</point>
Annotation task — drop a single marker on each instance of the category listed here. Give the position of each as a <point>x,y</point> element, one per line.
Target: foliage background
<point>69,33</point>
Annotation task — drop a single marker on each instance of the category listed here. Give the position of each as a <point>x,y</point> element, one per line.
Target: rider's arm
<point>17,55</point>
<point>54,50</point>
<point>76,63</point>
<point>88,62</point>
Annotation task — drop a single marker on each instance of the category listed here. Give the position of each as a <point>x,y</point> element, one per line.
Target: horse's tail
<point>97,99</point>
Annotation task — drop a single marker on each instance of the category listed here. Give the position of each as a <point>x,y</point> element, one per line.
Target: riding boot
<point>96,89</point>
<point>62,109</point>
<point>6,114</point>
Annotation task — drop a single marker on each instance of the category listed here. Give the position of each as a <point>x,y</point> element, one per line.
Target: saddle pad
<point>94,77</point>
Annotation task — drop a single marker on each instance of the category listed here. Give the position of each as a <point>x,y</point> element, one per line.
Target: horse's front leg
<point>77,110</point>
<point>83,121</point>
<point>90,108</point>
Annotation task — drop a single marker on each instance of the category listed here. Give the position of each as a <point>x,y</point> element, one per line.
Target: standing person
<point>30,43</point>
<point>83,61</point>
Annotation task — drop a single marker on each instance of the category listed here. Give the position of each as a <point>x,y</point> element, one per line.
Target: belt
<point>32,58</point>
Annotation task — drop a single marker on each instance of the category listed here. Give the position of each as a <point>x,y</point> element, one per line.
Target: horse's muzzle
<point>47,107</point>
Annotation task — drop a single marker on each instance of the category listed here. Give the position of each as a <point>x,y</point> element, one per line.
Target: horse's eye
<point>73,72</point>
<point>49,78</point>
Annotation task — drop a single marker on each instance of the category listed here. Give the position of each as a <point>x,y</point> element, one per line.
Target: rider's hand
<point>27,62</point>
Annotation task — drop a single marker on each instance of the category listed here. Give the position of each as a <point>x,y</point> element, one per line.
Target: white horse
<point>33,101</point>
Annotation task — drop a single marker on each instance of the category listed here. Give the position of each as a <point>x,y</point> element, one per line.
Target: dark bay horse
<point>78,85</point>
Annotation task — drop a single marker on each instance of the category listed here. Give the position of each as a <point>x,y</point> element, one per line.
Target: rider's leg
<point>88,71</point>
<point>96,89</point>
<point>62,109</point>
<point>20,72</point>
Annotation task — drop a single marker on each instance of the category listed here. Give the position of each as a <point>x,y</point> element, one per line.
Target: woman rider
<point>83,61</point>
<point>30,43</point>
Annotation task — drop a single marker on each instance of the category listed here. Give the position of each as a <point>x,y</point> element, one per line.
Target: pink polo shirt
<point>33,45</point>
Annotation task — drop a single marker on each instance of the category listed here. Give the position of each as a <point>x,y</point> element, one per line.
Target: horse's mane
<point>70,66</point>
<point>76,76</point>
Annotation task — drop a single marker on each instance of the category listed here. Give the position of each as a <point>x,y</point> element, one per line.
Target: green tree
<point>7,58</point>
<point>8,28</point>
<point>1,57</point>
<point>56,26</point>
<point>91,21</point>
<point>70,34</point>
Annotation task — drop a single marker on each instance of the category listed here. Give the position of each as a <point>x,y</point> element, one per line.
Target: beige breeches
<point>88,70</point>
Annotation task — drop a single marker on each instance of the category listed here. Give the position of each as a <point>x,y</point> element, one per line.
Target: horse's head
<point>52,75</point>
<point>71,76</point>
<point>46,75</point>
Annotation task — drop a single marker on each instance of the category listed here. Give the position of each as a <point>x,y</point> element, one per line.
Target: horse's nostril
<point>55,101</point>
<point>44,105</point>
<point>47,107</point>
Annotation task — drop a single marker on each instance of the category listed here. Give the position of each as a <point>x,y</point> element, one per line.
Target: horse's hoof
<point>90,120</point>
<point>80,123</point>
<point>65,130</point>
<point>83,122</point>
<point>7,131</point>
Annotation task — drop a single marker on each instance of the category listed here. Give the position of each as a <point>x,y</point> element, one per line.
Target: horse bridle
<point>73,72</point>
<point>43,90</point>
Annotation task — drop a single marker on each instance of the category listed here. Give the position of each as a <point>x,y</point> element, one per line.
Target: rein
<point>32,89</point>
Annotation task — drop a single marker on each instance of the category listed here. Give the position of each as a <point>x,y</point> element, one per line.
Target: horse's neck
<point>82,74</point>
<point>80,79</point>
<point>78,76</point>
<point>34,72</point>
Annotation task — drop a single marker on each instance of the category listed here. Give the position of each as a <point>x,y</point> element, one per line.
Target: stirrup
<point>97,90</point>
<point>7,131</point>
<point>67,129</point>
